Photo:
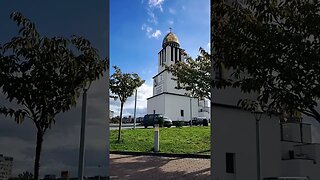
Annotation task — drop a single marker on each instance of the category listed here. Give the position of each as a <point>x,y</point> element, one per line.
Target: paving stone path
<point>158,168</point>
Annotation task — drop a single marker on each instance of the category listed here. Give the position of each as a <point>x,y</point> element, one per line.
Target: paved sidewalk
<point>158,168</point>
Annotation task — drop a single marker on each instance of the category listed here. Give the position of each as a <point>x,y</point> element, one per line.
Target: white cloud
<point>172,11</point>
<point>156,34</point>
<point>144,92</point>
<point>152,17</point>
<point>156,4</point>
<point>152,4</point>
<point>150,32</point>
<point>171,22</point>
<point>208,46</point>
<point>143,27</point>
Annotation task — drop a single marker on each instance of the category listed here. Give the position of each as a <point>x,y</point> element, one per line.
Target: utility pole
<point>82,134</point>
<point>190,111</point>
<point>135,110</point>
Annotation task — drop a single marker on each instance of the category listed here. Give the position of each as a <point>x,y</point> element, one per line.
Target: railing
<point>295,132</point>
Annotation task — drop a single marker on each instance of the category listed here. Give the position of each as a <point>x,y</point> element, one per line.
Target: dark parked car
<point>200,121</point>
<point>152,119</point>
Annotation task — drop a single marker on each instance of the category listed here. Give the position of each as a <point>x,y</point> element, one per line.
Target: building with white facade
<point>249,147</point>
<point>287,149</point>
<point>5,167</point>
<point>166,99</point>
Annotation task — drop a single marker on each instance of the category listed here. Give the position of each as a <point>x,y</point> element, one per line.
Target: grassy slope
<point>172,140</point>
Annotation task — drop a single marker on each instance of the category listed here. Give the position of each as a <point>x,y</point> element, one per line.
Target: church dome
<point>170,39</point>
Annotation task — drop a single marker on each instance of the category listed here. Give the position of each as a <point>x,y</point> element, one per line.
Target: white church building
<point>166,99</point>
<point>246,146</point>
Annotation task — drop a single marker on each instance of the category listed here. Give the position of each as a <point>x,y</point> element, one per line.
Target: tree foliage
<point>193,75</point>
<point>44,76</point>
<point>123,86</point>
<point>273,48</point>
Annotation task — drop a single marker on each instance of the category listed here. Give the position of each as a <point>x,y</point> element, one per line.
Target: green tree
<point>44,76</point>
<point>193,75</point>
<point>273,48</point>
<point>123,86</point>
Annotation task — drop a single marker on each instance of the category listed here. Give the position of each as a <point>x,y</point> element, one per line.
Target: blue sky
<point>132,48</point>
<point>137,28</point>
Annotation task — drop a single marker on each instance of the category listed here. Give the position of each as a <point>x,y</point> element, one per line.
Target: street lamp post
<point>83,131</point>
<point>257,115</point>
<point>190,111</point>
<point>135,110</point>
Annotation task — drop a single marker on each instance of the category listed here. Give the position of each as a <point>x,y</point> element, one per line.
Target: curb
<point>199,156</point>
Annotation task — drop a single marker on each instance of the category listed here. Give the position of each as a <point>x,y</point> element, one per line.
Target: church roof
<point>170,39</point>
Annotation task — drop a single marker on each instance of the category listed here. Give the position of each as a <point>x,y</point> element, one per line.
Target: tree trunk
<point>120,123</point>
<point>38,152</point>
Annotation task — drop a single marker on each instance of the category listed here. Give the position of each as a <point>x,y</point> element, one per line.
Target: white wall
<point>156,103</point>
<point>166,84</point>
<point>174,103</point>
<point>170,105</point>
<point>315,128</point>
<point>300,168</point>
<point>311,151</point>
<point>287,146</point>
<point>230,96</point>
<point>171,84</point>
<point>234,132</point>
<point>270,146</point>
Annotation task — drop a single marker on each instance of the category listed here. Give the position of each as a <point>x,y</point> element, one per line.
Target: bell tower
<point>166,99</point>
<point>170,53</point>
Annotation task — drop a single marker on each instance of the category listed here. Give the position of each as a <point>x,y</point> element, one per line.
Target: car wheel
<point>145,126</point>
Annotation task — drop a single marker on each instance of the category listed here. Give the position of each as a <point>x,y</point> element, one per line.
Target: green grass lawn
<point>195,140</point>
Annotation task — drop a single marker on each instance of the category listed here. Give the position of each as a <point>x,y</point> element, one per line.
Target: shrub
<point>205,122</point>
<point>178,123</point>
<point>161,122</point>
<point>115,120</point>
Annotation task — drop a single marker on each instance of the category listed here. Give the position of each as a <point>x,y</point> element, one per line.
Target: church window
<point>182,112</point>
<point>175,54</point>
<point>163,56</point>
<point>171,53</point>
<point>230,162</point>
<point>179,54</point>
